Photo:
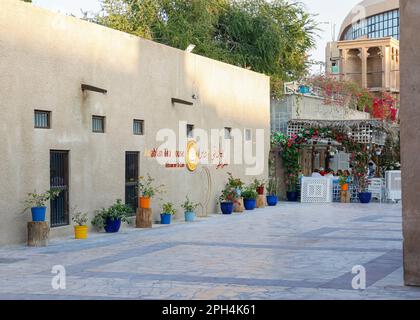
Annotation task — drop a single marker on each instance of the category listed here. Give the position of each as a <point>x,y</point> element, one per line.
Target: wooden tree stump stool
<point>345,197</point>
<point>239,205</point>
<point>261,201</point>
<point>144,218</point>
<point>38,234</point>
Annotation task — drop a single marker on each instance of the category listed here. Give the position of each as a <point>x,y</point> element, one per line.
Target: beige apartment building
<point>81,108</point>
<point>367,51</point>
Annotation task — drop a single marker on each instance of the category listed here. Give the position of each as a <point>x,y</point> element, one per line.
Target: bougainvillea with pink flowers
<point>350,94</point>
<point>290,147</point>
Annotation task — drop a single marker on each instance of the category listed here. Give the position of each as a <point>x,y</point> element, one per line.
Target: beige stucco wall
<point>44,59</point>
<point>410,134</point>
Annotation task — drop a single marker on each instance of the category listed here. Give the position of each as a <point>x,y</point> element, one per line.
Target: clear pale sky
<point>328,11</point>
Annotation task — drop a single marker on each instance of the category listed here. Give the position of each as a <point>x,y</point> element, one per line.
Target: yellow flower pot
<point>81,232</point>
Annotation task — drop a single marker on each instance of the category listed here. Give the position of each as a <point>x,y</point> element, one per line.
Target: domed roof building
<point>372,19</point>
<point>367,50</point>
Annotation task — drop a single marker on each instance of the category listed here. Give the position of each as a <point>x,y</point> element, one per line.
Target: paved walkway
<point>293,251</point>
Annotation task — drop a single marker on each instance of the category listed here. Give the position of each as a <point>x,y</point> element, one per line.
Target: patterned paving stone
<point>292,251</point>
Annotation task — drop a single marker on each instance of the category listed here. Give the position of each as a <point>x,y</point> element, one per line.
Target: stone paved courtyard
<point>293,251</point>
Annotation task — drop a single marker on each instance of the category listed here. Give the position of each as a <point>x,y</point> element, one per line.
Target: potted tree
<point>360,170</point>
<point>272,198</point>
<point>250,196</point>
<point>227,199</point>
<point>364,195</point>
<point>37,203</point>
<point>81,228</point>
<point>189,210</point>
<point>147,190</point>
<point>168,211</point>
<point>111,218</point>
<point>292,193</point>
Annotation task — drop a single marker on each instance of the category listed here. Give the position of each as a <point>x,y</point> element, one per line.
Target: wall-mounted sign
<point>192,158</point>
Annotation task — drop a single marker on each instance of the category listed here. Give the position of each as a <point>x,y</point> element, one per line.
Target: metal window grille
<point>98,124</point>
<point>138,127</point>
<point>42,119</point>
<point>248,135</point>
<point>190,131</point>
<point>228,133</point>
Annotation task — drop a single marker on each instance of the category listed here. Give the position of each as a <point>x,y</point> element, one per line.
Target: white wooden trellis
<point>364,133</point>
<point>294,128</point>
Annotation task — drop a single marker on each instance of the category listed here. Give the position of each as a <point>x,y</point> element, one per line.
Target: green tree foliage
<point>271,37</point>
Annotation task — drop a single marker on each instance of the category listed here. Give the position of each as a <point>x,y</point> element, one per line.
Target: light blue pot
<point>189,216</point>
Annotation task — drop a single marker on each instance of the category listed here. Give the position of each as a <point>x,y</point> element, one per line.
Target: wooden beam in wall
<point>86,87</point>
<point>176,100</point>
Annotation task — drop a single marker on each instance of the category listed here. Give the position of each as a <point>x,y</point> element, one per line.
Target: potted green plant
<point>250,196</point>
<point>147,190</point>
<point>81,228</point>
<point>272,198</point>
<point>344,181</point>
<point>235,183</point>
<point>360,169</point>
<point>37,203</point>
<point>111,218</point>
<point>227,199</point>
<point>168,210</point>
<point>259,186</point>
<point>189,209</point>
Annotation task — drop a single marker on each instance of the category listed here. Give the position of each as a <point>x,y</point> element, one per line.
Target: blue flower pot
<point>227,207</point>
<point>272,201</point>
<point>304,89</point>
<point>365,197</point>
<point>189,216</point>
<point>112,226</point>
<point>250,204</point>
<point>38,214</point>
<point>292,196</point>
<point>165,218</point>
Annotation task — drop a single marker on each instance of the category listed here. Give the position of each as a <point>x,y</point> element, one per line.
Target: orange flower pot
<point>345,187</point>
<point>144,202</point>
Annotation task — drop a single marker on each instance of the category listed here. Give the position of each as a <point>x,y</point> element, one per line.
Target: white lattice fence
<point>362,134</point>
<point>316,190</point>
<point>294,128</point>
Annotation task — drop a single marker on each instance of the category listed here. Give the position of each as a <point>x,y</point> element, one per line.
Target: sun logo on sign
<point>192,158</point>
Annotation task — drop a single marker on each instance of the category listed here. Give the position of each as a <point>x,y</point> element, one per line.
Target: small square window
<point>98,124</point>
<point>248,135</point>
<point>42,119</point>
<point>228,133</point>
<point>190,131</point>
<point>138,127</point>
